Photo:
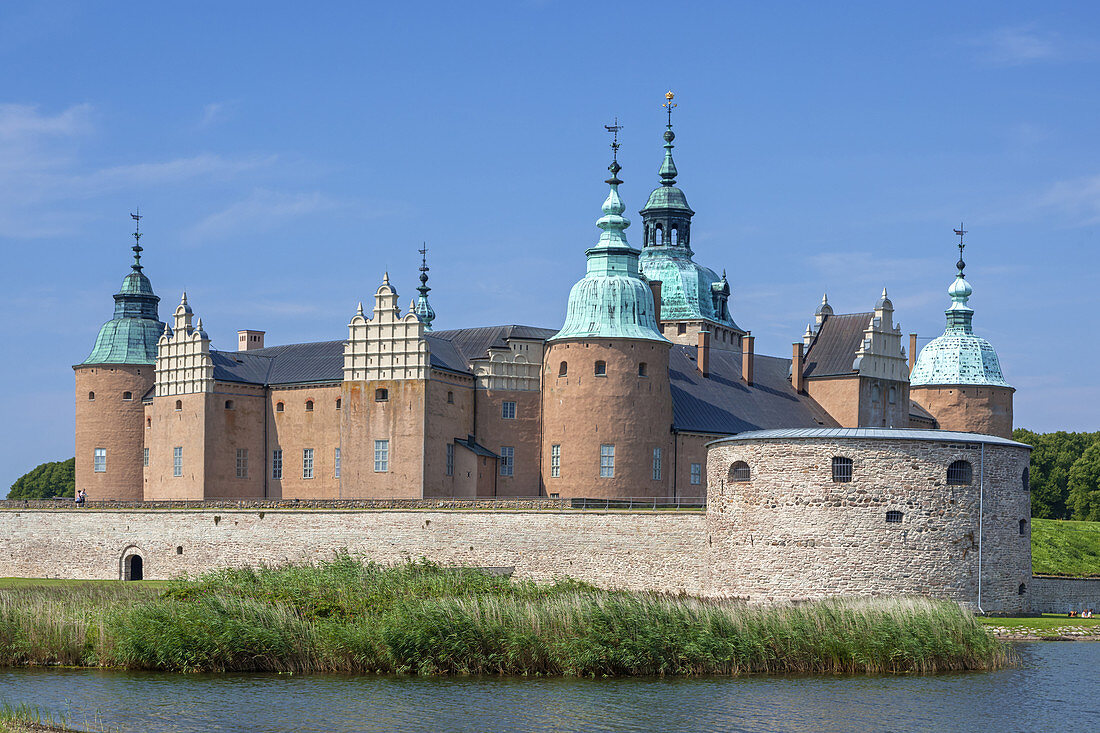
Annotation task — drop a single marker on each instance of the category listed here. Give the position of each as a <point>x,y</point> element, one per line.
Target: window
<point>148,422</point>
<point>659,236</point>
<point>842,469</point>
<point>309,405</point>
<point>642,369</point>
<point>277,464</point>
<point>242,463</point>
<point>127,396</point>
<point>675,236</point>
<point>960,473</point>
<point>1023,526</point>
<point>508,410</point>
<point>381,395</point>
<point>740,471</point>
<point>681,328</point>
<point>179,405</point>
<point>1026,478</point>
<point>607,461</point>
<point>336,463</point>
<point>1021,590</point>
<point>696,474</point>
<point>177,461</point>
<point>876,393</point>
<point>450,459</point>
<point>563,369</point>
<point>657,463</point>
<point>99,460</point>
<point>601,368</point>
<point>893,395</point>
<point>555,461</point>
<point>893,517</point>
<point>145,456</point>
<point>279,407</point>
<point>507,460</point>
<point>229,404</point>
<point>307,463</point>
<point>450,398</point>
<point>381,456</point>
<point>338,403</point>
<point>91,396</point>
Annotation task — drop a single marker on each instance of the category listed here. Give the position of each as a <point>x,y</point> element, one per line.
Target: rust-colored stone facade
<point>968,407</point>
<point>109,420</point>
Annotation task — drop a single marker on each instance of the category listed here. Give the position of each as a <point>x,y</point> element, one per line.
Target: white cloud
<point>1078,198</point>
<point>262,210</point>
<point>1016,46</point>
<point>18,122</point>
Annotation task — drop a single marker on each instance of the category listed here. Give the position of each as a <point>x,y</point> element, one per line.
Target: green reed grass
<point>349,616</point>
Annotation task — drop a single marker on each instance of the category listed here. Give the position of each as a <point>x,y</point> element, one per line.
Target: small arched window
<point>643,369</point>
<point>279,407</point>
<point>148,422</point>
<point>842,469</point>
<point>1023,526</point>
<point>563,369</point>
<point>91,396</point>
<point>229,404</point>
<point>893,517</point>
<point>740,471</point>
<point>659,236</point>
<point>960,473</point>
<point>1026,479</point>
<point>675,236</point>
<point>601,368</point>
<point>127,395</point>
<point>893,395</point>
<point>309,405</point>
<point>1021,590</point>
<point>338,403</point>
<point>450,398</point>
<point>179,405</point>
<point>876,393</point>
<point>381,394</point>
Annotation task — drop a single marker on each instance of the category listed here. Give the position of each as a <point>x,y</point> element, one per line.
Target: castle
<point>648,368</point>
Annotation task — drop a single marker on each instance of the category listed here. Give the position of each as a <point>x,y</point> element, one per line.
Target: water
<point>1057,688</point>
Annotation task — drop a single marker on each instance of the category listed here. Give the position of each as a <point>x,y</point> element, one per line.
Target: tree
<point>1052,457</point>
<point>46,481</point>
<point>1084,484</point>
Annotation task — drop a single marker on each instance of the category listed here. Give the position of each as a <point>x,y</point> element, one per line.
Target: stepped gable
<point>833,350</point>
<point>722,403</point>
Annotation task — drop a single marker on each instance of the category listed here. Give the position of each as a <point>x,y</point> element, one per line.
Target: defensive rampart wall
<point>1062,595</point>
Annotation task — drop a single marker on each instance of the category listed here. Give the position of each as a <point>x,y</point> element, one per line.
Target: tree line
<point>57,478</point>
<point>1065,474</point>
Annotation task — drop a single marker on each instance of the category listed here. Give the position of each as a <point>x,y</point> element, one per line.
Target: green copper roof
<point>130,337</point>
<point>612,300</point>
<point>667,195</point>
<point>958,356</point>
<point>422,308</point>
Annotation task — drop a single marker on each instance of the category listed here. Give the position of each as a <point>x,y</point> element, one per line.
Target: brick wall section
<point>112,423</point>
<point>792,533</point>
<point>968,408</point>
<point>1062,595</point>
<point>636,550</point>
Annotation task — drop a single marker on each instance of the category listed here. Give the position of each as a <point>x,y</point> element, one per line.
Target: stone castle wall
<point>790,532</point>
<point>1062,595</point>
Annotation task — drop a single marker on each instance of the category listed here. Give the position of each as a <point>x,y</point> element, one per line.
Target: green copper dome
<point>130,337</point>
<point>612,300</point>
<point>958,356</point>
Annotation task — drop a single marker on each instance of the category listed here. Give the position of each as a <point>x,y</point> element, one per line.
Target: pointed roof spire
<point>137,240</point>
<point>668,166</point>
<point>422,308</point>
<point>824,309</point>
<point>386,278</point>
<point>359,310</point>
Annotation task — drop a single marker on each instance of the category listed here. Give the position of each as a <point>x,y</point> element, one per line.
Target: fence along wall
<point>648,550</point>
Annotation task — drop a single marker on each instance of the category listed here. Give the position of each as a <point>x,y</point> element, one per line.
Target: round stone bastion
<point>808,513</point>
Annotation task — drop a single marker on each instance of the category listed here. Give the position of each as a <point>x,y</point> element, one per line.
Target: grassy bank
<point>1065,548</point>
<point>346,616</point>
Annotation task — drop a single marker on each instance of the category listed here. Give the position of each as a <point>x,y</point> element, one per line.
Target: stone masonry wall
<point>791,532</point>
<point>637,550</point>
<point>1062,595</point>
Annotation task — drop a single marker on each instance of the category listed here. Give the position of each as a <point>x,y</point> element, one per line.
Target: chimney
<point>748,357</point>
<point>796,367</point>
<point>655,286</point>
<point>248,340</point>
<point>912,351</point>
<point>703,353</point>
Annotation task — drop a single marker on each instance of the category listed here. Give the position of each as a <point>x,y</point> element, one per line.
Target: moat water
<point>1057,688</point>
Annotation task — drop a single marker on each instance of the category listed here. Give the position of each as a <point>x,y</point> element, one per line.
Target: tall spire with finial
<point>960,316</point>
<point>423,309</point>
<point>137,240</point>
<point>668,167</point>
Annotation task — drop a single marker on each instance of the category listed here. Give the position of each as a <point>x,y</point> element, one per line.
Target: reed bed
<point>417,618</point>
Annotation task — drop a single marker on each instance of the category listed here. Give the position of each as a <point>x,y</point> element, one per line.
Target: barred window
<point>508,410</point>
<point>555,461</point>
<point>740,471</point>
<point>507,460</point>
<point>696,474</point>
<point>177,461</point>
<point>960,473</point>
<point>842,469</point>
<point>893,517</point>
<point>450,459</point>
<point>99,460</point>
<point>242,463</point>
<point>656,464</point>
<point>277,464</point>
<point>607,461</point>
<point>307,463</point>
<point>381,456</point>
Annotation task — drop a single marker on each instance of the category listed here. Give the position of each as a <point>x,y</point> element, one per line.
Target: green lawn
<point>1046,622</point>
<point>1065,548</point>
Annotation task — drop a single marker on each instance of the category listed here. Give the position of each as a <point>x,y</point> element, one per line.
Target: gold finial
<point>669,105</point>
<point>669,95</point>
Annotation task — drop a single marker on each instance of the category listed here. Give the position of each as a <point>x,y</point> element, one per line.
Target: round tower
<point>957,376</point>
<point>607,406</point>
<point>110,385</point>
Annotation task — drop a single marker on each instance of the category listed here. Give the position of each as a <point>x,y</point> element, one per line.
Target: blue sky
<point>285,155</point>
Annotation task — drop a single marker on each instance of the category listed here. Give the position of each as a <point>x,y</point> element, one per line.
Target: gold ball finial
<point>669,95</point>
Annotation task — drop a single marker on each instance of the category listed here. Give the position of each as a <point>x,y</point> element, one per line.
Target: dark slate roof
<point>476,447</point>
<point>474,343</point>
<point>915,410</point>
<point>319,361</point>
<point>723,404</point>
<point>834,349</point>
<point>444,354</point>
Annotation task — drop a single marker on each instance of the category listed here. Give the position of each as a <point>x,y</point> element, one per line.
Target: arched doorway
<point>133,567</point>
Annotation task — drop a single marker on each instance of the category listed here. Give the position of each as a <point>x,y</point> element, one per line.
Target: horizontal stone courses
<point>290,505</point>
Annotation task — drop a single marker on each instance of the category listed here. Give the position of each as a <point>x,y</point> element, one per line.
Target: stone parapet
<point>618,505</point>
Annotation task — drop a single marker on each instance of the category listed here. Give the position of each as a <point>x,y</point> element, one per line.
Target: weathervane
<point>960,233</point>
<point>424,267</point>
<point>137,238</point>
<point>614,130</point>
<point>669,105</point>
